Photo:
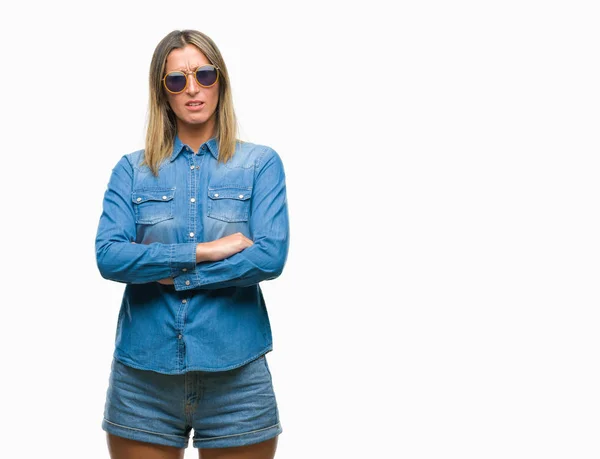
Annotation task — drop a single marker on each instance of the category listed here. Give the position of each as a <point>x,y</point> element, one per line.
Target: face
<point>187,59</point>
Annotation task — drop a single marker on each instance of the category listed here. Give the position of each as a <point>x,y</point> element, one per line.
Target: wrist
<point>203,252</point>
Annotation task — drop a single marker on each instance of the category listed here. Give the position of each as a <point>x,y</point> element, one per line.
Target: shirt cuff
<point>186,280</point>
<point>183,258</point>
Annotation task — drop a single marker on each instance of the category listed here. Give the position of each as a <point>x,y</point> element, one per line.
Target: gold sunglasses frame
<point>194,72</point>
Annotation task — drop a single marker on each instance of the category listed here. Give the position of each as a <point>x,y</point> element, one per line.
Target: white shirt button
<point>192,167</point>
<point>187,282</point>
<point>241,196</point>
<point>179,336</point>
<point>184,301</point>
<point>138,199</point>
<point>216,195</point>
<point>191,234</point>
<point>184,270</point>
<point>164,197</point>
<point>193,200</point>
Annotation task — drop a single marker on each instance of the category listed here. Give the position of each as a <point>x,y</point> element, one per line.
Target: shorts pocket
<point>264,358</point>
<point>153,205</point>
<point>229,204</point>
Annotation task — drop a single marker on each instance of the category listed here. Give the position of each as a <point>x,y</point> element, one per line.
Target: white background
<point>440,297</point>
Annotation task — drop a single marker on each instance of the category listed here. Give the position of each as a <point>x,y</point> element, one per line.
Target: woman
<point>192,224</point>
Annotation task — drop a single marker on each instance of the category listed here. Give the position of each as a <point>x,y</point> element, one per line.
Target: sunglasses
<point>206,76</point>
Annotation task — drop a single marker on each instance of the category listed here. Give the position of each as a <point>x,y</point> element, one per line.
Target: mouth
<point>194,105</point>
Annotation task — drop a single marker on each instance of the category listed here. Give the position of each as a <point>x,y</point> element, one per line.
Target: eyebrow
<point>183,69</point>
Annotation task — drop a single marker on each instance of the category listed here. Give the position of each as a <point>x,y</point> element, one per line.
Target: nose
<point>192,87</point>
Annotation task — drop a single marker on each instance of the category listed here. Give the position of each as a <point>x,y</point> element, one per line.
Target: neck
<point>196,135</point>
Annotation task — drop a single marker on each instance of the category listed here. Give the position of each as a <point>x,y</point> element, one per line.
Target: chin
<point>197,122</point>
<point>193,119</point>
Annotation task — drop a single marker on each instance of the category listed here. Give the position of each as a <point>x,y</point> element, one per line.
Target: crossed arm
<point>230,261</point>
<point>216,250</point>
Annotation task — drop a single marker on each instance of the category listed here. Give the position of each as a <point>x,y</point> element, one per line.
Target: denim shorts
<point>225,408</point>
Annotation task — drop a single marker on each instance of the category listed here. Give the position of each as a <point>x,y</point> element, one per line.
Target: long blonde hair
<point>162,125</point>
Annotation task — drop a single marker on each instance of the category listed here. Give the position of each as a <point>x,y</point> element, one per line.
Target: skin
<point>124,448</point>
<point>194,128</point>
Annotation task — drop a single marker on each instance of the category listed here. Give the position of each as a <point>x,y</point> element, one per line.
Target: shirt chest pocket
<point>153,205</point>
<point>229,204</point>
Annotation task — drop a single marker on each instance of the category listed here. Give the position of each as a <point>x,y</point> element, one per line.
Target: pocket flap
<point>152,194</point>
<point>241,194</point>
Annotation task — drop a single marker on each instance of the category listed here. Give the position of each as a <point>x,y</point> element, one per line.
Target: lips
<point>194,106</point>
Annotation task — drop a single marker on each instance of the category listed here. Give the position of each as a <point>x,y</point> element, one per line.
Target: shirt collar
<point>212,144</point>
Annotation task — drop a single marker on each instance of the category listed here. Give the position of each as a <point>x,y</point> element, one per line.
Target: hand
<point>222,248</point>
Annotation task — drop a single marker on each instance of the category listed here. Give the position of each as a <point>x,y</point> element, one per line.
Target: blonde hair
<point>162,122</point>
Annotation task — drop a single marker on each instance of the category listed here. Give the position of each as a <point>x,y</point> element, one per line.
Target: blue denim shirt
<point>214,317</point>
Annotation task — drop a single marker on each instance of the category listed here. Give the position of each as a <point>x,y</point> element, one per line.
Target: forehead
<point>186,58</point>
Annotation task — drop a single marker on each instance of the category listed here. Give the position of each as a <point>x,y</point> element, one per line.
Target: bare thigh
<point>262,450</point>
<point>124,448</point>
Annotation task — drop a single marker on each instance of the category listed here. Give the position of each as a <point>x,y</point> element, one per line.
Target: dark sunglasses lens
<point>206,76</point>
<point>175,81</point>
